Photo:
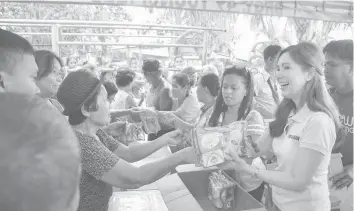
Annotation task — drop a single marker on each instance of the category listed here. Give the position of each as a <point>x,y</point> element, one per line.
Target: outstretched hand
<point>235,162</point>
<point>189,155</point>
<point>343,179</point>
<point>173,138</point>
<point>135,114</point>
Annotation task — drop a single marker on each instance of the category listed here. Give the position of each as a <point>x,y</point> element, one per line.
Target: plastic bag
<point>150,122</point>
<point>221,190</point>
<point>208,144</point>
<point>211,143</point>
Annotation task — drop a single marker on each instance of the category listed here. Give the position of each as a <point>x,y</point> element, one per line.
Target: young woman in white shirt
<point>186,104</point>
<point>302,135</point>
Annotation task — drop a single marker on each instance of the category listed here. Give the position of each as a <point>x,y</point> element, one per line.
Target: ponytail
<point>276,127</point>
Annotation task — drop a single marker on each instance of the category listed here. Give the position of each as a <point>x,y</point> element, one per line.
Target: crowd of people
<point>68,135</point>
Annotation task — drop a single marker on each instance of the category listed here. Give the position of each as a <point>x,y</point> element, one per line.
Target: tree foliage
<point>65,12</point>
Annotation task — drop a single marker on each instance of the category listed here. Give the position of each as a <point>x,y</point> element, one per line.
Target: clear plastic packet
<point>214,190</point>
<point>165,118</point>
<point>208,145</point>
<point>221,190</point>
<point>150,122</point>
<point>185,138</point>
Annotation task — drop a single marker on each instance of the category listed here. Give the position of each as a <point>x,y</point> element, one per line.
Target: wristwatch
<point>255,174</point>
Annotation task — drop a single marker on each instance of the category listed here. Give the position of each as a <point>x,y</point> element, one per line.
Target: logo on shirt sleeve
<point>294,137</point>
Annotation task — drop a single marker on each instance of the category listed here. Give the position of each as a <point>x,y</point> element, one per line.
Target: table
<point>174,193</point>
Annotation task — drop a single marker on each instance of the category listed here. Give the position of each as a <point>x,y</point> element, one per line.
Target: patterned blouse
<point>97,158</point>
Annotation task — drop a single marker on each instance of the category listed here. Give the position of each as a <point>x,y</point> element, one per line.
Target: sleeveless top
<point>152,97</point>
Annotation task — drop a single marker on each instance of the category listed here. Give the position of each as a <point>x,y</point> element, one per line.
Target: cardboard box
<point>196,180</point>
<point>188,191</point>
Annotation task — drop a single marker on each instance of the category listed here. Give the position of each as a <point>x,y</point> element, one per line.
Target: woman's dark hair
<point>247,102</point>
<point>110,88</point>
<point>182,80</point>
<point>211,82</point>
<point>310,58</point>
<point>45,60</point>
<point>125,77</point>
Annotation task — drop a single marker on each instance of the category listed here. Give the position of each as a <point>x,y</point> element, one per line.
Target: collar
<point>265,74</point>
<point>302,114</point>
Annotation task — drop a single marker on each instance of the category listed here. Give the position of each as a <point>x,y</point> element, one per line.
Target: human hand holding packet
<point>150,122</point>
<point>211,143</point>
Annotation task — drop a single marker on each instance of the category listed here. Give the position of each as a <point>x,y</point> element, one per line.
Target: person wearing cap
<point>105,161</point>
<point>158,96</point>
<point>50,75</point>
<point>40,157</point>
<point>18,68</point>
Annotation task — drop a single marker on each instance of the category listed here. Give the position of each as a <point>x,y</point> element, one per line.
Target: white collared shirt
<point>264,101</point>
<point>311,130</point>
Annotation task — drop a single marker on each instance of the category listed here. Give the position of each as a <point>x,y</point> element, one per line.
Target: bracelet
<point>255,174</point>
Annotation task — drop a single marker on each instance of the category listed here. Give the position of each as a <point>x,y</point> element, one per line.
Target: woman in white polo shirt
<point>302,135</point>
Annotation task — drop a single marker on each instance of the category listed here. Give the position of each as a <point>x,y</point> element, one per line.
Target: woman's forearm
<point>280,179</point>
<point>176,122</point>
<point>153,171</point>
<point>120,113</point>
<point>142,150</point>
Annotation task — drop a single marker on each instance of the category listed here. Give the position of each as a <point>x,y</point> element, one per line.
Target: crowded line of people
<point>61,130</point>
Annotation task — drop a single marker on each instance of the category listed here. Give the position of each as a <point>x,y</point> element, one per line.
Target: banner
<point>338,11</point>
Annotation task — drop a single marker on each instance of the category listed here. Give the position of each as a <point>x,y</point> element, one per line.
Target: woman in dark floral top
<point>105,162</point>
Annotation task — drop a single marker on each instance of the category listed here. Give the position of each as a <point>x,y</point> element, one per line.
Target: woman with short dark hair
<point>125,98</point>
<point>207,90</point>
<point>186,105</point>
<point>50,75</point>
